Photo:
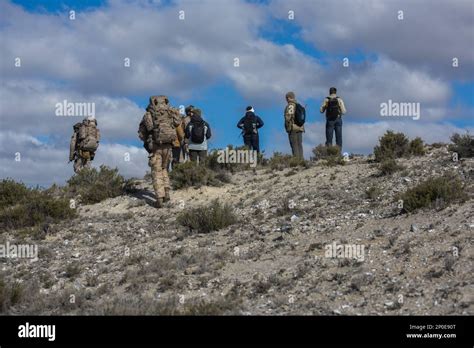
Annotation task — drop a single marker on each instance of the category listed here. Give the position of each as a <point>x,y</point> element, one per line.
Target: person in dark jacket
<point>197,133</point>
<point>249,124</point>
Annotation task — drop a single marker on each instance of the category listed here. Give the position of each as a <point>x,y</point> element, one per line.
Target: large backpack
<point>300,115</point>
<point>250,124</point>
<point>198,131</point>
<point>333,110</point>
<point>89,136</point>
<point>163,130</point>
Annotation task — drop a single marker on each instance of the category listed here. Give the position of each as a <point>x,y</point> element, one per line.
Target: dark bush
<point>24,207</point>
<point>391,145</point>
<point>463,145</point>
<point>435,192</point>
<point>94,185</point>
<point>191,174</point>
<point>389,166</point>
<point>331,154</point>
<point>416,147</point>
<point>280,161</point>
<point>12,192</point>
<point>208,218</point>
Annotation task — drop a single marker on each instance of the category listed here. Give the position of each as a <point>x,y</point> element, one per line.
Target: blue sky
<point>191,61</point>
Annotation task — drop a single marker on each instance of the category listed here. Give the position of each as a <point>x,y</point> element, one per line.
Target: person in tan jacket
<point>295,132</point>
<point>177,145</point>
<point>334,108</point>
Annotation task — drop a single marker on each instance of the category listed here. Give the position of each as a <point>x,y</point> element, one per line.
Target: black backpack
<point>300,115</point>
<point>198,132</point>
<point>250,124</point>
<point>332,109</point>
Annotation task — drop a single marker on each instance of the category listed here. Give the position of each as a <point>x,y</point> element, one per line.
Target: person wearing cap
<point>334,108</point>
<point>249,124</point>
<point>197,134</point>
<point>295,132</point>
<point>188,113</point>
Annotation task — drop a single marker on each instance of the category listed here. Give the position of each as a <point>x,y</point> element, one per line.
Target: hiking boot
<point>167,196</point>
<point>159,203</point>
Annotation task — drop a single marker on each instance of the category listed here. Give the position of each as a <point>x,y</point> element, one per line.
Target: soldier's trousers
<point>80,163</point>
<point>159,161</point>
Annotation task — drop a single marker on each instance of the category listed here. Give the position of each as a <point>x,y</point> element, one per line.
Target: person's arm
<point>208,133</point>
<point>240,124</point>
<point>342,106</point>
<point>180,133</point>
<point>259,122</point>
<point>176,118</point>
<point>323,105</point>
<point>187,132</point>
<point>289,116</point>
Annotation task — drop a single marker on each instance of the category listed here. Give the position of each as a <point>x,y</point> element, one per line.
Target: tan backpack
<point>162,129</point>
<point>89,136</point>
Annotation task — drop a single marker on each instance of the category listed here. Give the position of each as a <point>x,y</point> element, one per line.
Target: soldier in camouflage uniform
<point>82,149</point>
<point>158,131</point>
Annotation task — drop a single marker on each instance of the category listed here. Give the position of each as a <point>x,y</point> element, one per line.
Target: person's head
<point>290,96</point>
<point>332,90</point>
<point>189,110</point>
<point>197,112</point>
<point>249,109</point>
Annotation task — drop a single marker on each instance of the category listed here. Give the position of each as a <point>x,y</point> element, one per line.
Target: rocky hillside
<point>122,256</point>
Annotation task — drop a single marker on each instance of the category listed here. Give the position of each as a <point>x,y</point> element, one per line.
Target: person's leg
<point>329,132</point>
<point>202,156</point>
<point>248,141</point>
<point>166,154</point>
<point>156,164</point>
<point>300,145</point>
<point>255,143</point>
<point>193,155</point>
<point>291,137</point>
<point>338,127</point>
<point>77,164</point>
<point>176,154</point>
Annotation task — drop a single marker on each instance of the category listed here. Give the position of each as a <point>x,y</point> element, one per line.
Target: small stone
<point>413,228</point>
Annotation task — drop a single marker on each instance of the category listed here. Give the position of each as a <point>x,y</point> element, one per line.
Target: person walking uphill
<point>197,132</point>
<point>249,124</point>
<point>295,115</point>
<point>84,143</point>
<point>158,131</point>
<point>334,107</point>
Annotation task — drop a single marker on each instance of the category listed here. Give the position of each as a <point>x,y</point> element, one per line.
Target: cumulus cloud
<point>430,35</point>
<point>83,61</point>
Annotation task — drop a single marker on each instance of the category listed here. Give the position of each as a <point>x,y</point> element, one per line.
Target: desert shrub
<point>391,145</point>
<point>416,147</point>
<point>25,207</point>
<point>212,161</point>
<point>94,185</point>
<point>10,294</point>
<point>463,145</point>
<point>12,192</point>
<point>331,154</point>
<point>280,161</point>
<point>435,192</point>
<point>373,192</point>
<point>191,174</point>
<point>389,166</point>
<point>208,218</point>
